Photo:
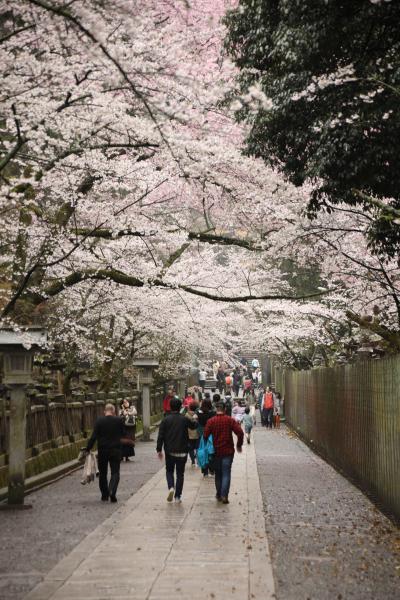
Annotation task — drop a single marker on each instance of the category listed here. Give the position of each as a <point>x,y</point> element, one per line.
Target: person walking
<point>205,413</point>
<point>167,401</point>
<point>238,412</point>
<point>247,387</point>
<point>202,379</point>
<point>248,423</point>
<point>187,401</point>
<point>215,368</point>
<point>268,408</point>
<point>174,438</point>
<point>260,403</point>
<point>277,410</point>
<point>221,428</point>
<point>220,380</point>
<point>193,433</point>
<point>128,414</point>
<point>228,384</point>
<point>237,378</point>
<point>107,432</point>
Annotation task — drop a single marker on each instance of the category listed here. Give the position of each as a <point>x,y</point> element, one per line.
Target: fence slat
<point>351,415</point>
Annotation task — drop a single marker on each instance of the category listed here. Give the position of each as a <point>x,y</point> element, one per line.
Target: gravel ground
<point>63,513</point>
<point>327,540</point>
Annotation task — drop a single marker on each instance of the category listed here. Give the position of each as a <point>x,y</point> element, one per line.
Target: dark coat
<point>107,431</point>
<point>173,434</point>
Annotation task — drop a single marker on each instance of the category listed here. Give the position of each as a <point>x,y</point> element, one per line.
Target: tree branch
<point>192,235</point>
<point>392,337</point>
<point>16,32</point>
<point>62,12</point>
<point>116,276</point>
<point>386,208</point>
<point>223,240</point>
<point>109,234</point>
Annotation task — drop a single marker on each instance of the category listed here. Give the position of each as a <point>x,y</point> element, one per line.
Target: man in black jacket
<point>108,431</point>
<point>173,436</point>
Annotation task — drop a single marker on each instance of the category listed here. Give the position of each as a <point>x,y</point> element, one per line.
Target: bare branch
<point>16,32</point>
<point>386,208</point>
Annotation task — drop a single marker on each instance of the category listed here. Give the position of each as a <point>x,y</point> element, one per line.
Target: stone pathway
<point>152,550</point>
<point>62,515</point>
<point>327,540</point>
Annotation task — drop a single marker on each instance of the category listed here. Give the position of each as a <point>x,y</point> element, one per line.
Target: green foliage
<point>304,279</point>
<point>331,71</point>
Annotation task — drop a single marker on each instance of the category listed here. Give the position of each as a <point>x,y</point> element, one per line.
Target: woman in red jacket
<point>167,401</point>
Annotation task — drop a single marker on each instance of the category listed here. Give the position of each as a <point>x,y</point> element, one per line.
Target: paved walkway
<point>152,550</point>
<point>327,540</point>
<point>62,515</point>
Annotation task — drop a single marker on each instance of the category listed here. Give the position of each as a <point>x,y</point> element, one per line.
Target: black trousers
<point>110,457</point>
<point>178,463</point>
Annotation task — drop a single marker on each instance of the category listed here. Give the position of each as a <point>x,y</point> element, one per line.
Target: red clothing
<point>221,427</point>
<point>187,401</point>
<point>167,403</point>
<point>268,400</point>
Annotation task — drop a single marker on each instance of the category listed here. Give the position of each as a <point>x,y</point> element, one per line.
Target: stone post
<point>146,412</point>
<point>17,446</point>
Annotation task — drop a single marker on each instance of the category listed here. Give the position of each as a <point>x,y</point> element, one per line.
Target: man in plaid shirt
<point>221,427</point>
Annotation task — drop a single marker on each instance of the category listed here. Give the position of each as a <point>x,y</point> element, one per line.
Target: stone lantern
<point>18,349</point>
<point>146,368</point>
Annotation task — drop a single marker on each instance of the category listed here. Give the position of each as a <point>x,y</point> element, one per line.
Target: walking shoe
<point>104,498</point>
<point>224,500</point>
<point>178,500</point>
<point>170,496</point>
<point>218,498</point>
<point>113,499</point>
<point>248,440</point>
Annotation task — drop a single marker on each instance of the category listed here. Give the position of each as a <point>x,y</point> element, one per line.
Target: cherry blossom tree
<point>132,222</point>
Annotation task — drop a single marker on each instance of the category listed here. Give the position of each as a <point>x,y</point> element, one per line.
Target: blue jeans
<point>223,467</point>
<point>178,462</point>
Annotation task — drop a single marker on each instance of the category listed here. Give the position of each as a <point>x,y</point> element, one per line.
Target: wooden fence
<point>351,416</point>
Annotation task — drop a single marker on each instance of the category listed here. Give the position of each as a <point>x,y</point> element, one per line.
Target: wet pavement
<point>294,528</point>
<point>154,550</point>
<point>63,514</point>
<point>327,540</point>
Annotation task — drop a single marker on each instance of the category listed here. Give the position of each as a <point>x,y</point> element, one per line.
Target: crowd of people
<point>199,426</point>
<point>229,408</point>
<point>185,425</point>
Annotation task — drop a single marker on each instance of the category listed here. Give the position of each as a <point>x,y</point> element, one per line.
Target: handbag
<point>90,469</point>
<point>130,421</point>
<point>205,452</point>
<point>202,454</point>
<point>210,446</point>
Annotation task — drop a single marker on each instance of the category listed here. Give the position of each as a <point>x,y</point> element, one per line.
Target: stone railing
<point>53,420</point>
